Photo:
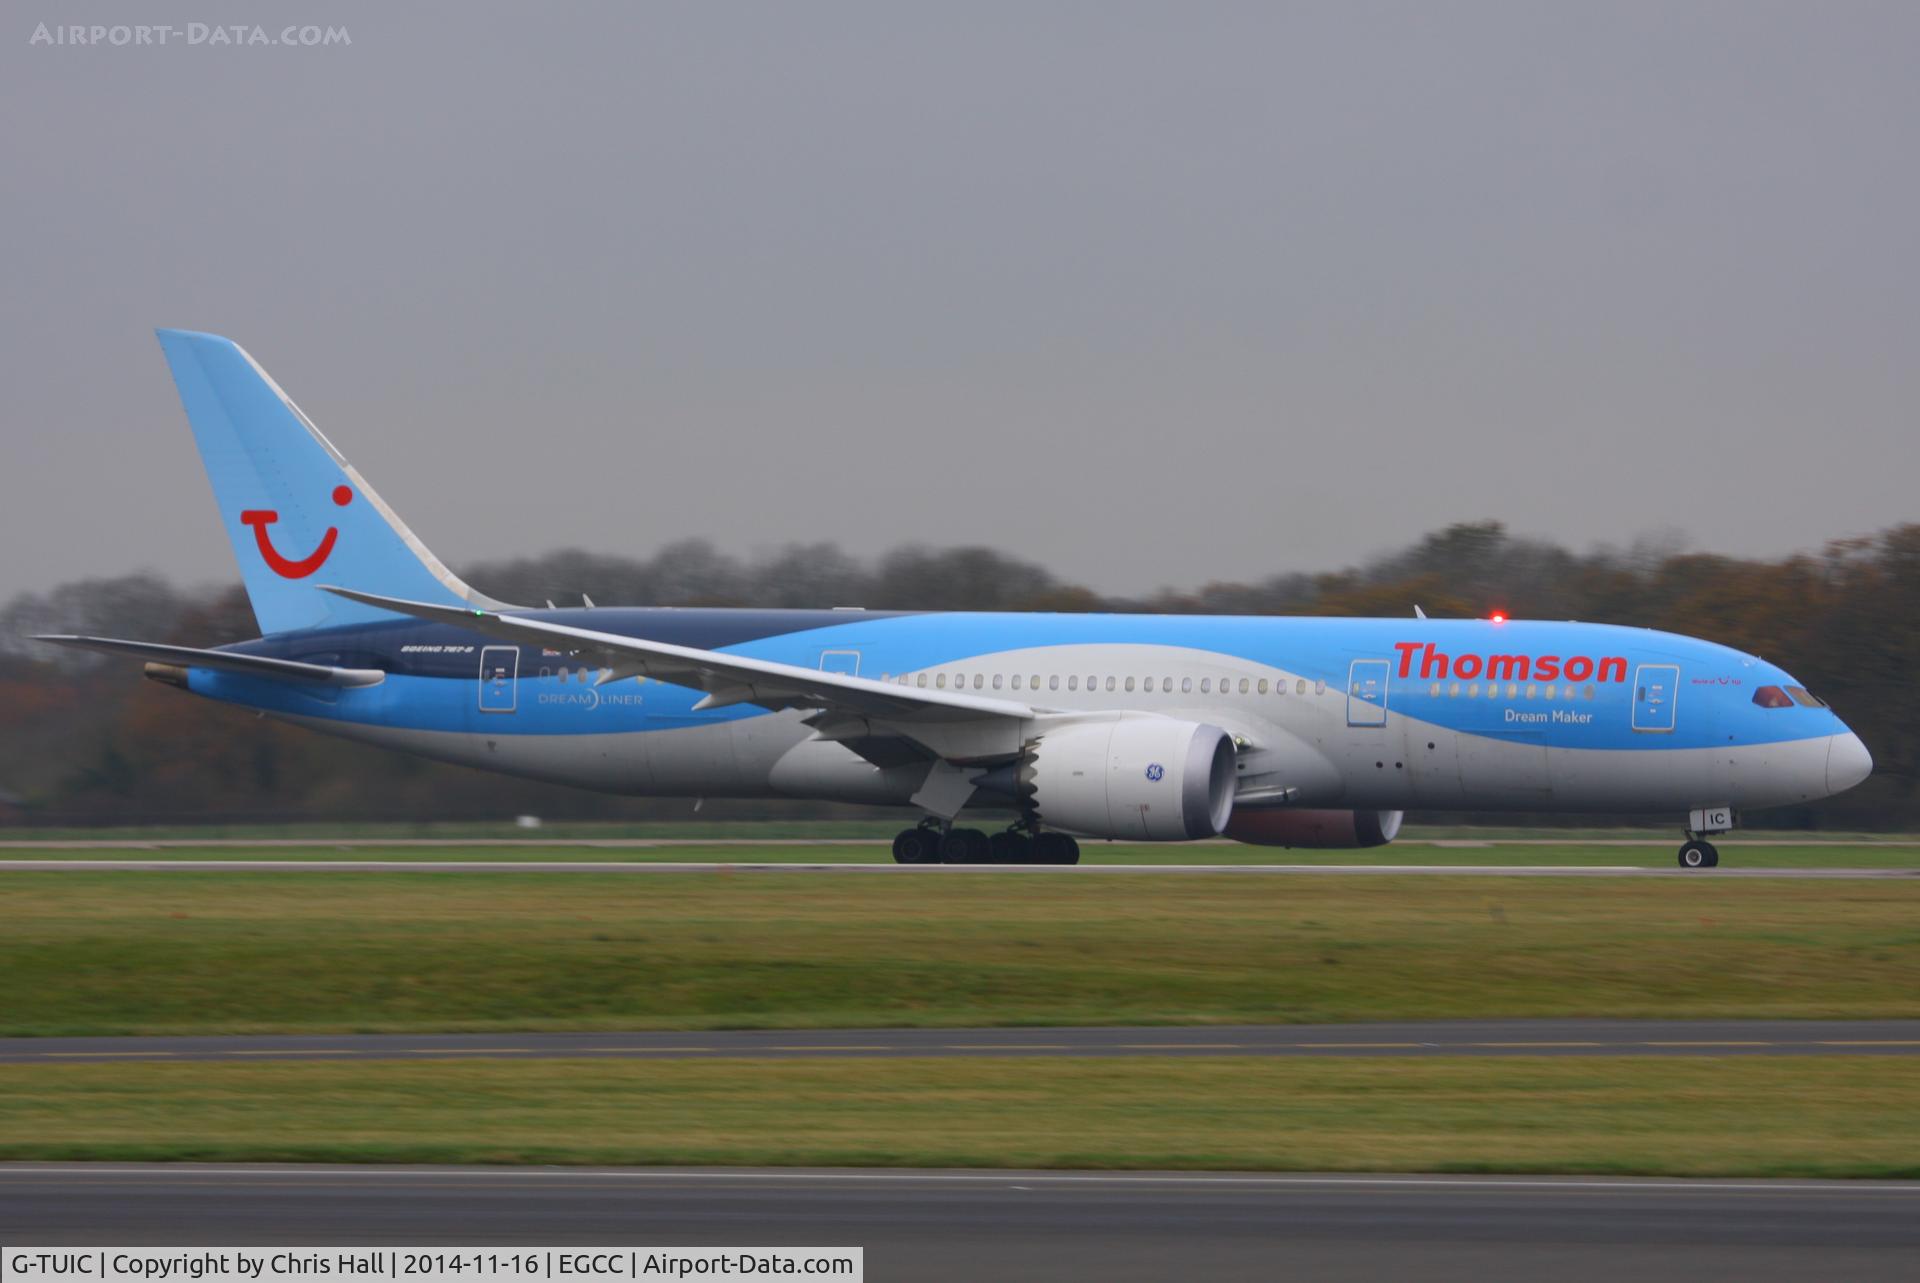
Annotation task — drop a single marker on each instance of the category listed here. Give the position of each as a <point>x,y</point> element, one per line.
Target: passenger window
<point>921,681</point>
<point>1435,690</point>
<point>1186,685</point>
<point>546,672</point>
<point>1034,684</point>
<point>1453,691</point>
<point>940,682</point>
<point>1166,685</point>
<point>1053,682</point>
<point>1589,690</point>
<point>1300,687</point>
<point>1319,687</point>
<point>1263,686</point>
<point>1805,698</point>
<point>1206,685</point>
<point>1772,697</point>
<point>1552,691</point>
<point>1073,683</point>
<point>996,681</point>
<point>1243,685</point>
<point>1016,681</point>
<point>1129,683</point>
<point>1533,690</point>
<point>1110,684</point>
<point>1513,690</point>
<point>1473,691</point>
<point>979,680</point>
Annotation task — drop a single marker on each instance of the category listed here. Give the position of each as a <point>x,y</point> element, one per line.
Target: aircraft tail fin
<point>291,503</point>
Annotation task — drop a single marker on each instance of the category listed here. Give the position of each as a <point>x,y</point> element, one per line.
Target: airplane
<point>1281,731</point>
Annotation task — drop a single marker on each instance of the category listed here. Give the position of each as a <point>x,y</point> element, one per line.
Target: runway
<point>936,1226</point>
<point>1402,1039</point>
<point>926,870</point>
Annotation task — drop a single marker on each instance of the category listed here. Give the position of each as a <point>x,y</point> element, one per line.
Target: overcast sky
<point>1150,294</point>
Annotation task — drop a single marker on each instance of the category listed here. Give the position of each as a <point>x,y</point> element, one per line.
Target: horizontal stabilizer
<point>226,661</point>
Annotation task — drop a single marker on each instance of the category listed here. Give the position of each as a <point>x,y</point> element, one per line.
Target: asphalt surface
<point>1428,1038</point>
<point>917,870</point>
<point>938,1226</point>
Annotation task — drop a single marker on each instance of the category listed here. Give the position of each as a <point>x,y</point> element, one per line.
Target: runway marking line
<point>142,1054</point>
<point>289,1051</point>
<point>467,1051</point>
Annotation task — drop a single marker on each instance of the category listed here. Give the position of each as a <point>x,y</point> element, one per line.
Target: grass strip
<point>1805,1116</point>
<point>103,953</point>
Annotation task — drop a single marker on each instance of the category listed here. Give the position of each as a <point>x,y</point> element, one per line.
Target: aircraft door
<point>1656,690</point>
<point>499,679</point>
<point>1367,693</point>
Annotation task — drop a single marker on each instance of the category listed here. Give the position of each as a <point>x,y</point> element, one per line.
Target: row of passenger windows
<point>1071,682</point>
<point>1533,690</point>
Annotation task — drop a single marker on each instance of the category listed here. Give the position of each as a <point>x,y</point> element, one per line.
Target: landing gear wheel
<point>966,846</point>
<point>1010,846</point>
<point>916,846</point>
<point>1698,854</point>
<point>1055,848</point>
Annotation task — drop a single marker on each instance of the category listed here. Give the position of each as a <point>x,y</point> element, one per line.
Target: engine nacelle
<point>1155,779</point>
<point>1324,830</point>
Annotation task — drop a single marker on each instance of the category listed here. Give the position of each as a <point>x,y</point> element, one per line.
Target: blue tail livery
<point>295,509</point>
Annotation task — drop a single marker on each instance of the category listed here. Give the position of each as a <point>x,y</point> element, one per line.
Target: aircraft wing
<point>726,678</point>
<point>224,660</point>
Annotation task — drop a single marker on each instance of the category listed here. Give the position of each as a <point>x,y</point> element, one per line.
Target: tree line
<point>83,740</point>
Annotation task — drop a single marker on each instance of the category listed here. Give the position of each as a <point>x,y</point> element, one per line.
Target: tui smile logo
<point>285,567</point>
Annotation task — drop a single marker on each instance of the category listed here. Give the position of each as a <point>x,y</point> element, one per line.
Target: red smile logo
<point>261,518</point>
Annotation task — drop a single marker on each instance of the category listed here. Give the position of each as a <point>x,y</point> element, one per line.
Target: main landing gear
<point>926,844</point>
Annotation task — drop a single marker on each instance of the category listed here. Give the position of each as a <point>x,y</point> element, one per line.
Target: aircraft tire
<point>966,846</point>
<point>1698,855</point>
<point>1010,847</point>
<point>1054,848</point>
<point>916,846</point>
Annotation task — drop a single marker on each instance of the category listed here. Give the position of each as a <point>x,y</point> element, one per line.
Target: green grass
<point>1812,1116</point>
<point>101,952</point>
<point>1654,853</point>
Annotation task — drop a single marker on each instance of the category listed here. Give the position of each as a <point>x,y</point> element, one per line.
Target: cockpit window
<point>1805,698</point>
<point>1772,697</point>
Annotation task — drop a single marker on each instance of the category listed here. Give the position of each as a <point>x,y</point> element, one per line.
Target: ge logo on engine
<point>1155,771</point>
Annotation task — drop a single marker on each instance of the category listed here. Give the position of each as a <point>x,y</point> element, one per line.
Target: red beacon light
<point>1498,616</point>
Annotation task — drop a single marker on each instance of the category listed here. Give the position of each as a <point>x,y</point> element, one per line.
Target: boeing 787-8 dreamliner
<point>1046,727</point>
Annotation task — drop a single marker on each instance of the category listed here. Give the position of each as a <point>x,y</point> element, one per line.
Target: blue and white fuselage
<point>1296,731</point>
<point>1328,709</point>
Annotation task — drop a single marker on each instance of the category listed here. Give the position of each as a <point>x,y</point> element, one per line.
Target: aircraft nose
<point>1848,762</point>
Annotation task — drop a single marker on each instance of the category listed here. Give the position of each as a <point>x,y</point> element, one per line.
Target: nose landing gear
<point>1703,822</point>
<point>1698,854</point>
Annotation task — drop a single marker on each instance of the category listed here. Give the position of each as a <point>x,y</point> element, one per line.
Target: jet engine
<point>1323,830</point>
<point>1146,778</point>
